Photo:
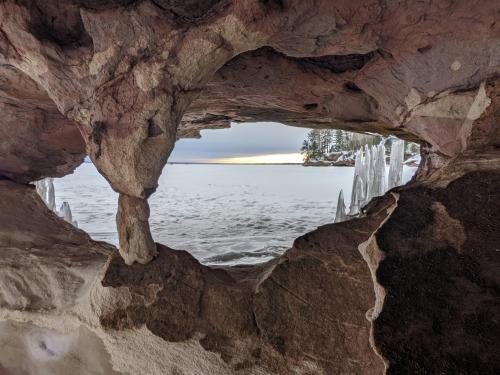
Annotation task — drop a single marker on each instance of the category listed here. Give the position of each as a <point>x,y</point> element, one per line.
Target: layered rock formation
<point>122,80</point>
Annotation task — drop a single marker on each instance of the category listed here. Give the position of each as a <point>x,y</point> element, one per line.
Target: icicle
<point>366,177</point>
<point>362,184</point>
<point>371,185</point>
<point>381,168</point>
<point>396,164</point>
<point>41,189</point>
<point>378,184</point>
<point>45,188</point>
<point>357,196</point>
<point>370,177</point>
<point>51,195</point>
<point>65,212</point>
<point>359,170</point>
<point>340,214</point>
<point>358,163</point>
<point>384,170</point>
<point>354,208</point>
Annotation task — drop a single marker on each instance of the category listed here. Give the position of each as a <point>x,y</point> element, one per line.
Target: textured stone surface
<point>261,319</point>
<point>136,242</point>
<point>36,140</point>
<point>51,300</point>
<point>440,274</point>
<point>358,65</point>
<point>49,352</point>
<point>436,287</point>
<point>46,263</point>
<point>128,72</point>
<point>122,80</point>
<point>263,316</point>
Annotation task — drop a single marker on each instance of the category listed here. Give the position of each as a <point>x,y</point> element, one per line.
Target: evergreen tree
<point>314,138</point>
<point>327,139</point>
<point>339,140</point>
<point>319,143</point>
<point>306,150</point>
<point>315,150</point>
<point>311,147</point>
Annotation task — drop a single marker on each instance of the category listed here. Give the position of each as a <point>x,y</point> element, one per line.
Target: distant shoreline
<point>184,163</point>
<point>198,163</point>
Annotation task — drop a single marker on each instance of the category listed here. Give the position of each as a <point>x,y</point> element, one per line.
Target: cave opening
<point>411,286</point>
<point>240,195</point>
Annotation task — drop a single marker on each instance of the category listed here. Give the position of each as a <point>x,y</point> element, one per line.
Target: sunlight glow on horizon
<point>294,158</point>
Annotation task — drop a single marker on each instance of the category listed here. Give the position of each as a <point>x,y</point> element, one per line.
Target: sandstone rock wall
<point>441,310</point>
<point>122,80</point>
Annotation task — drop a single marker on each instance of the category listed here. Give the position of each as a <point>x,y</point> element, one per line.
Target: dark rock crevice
<point>338,63</point>
<point>440,273</point>
<point>192,12</point>
<point>60,24</point>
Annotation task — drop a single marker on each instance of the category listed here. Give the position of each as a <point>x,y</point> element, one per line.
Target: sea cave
<point>408,285</point>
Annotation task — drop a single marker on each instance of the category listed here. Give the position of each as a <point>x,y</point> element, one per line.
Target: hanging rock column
<point>130,149</point>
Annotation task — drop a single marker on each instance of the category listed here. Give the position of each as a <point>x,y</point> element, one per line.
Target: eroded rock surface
<point>434,307</point>
<point>127,73</point>
<point>261,319</point>
<point>122,80</point>
<point>136,242</point>
<point>303,313</point>
<point>29,114</point>
<point>440,273</point>
<point>46,351</point>
<point>46,263</point>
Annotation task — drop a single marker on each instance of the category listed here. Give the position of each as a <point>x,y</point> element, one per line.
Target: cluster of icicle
<point>370,176</point>
<point>45,188</point>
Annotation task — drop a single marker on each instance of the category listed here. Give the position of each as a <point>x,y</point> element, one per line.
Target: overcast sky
<point>241,140</point>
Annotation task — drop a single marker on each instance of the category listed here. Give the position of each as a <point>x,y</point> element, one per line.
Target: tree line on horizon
<point>320,143</point>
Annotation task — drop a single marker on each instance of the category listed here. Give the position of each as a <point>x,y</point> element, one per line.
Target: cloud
<point>240,140</point>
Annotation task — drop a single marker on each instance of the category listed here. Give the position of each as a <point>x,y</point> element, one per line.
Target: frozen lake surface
<point>222,214</point>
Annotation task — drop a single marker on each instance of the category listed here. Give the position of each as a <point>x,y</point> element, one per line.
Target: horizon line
<point>220,163</point>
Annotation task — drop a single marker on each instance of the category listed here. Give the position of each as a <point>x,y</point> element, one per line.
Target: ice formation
<point>41,188</point>
<point>396,164</point>
<point>340,214</point>
<point>370,178</point>
<point>45,188</point>
<point>51,196</point>
<point>378,184</point>
<point>357,195</point>
<point>65,213</point>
